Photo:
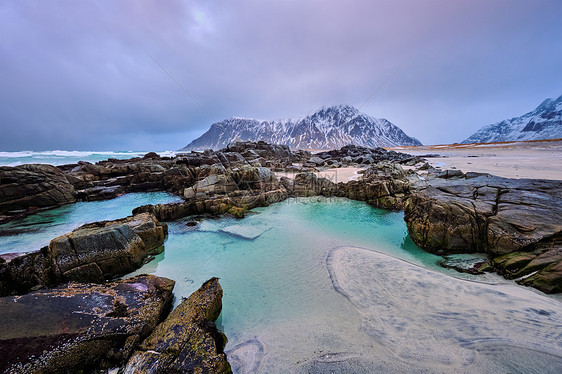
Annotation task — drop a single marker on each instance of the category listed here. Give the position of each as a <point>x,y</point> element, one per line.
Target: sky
<point>106,74</point>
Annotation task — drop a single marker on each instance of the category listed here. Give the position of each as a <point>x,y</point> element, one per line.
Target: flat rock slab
<point>80,326</point>
<point>249,232</point>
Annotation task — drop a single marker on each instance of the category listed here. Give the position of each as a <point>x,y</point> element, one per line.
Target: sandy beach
<point>335,175</point>
<point>532,159</point>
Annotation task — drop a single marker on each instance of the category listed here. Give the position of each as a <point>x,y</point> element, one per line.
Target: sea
<point>331,285</point>
<point>67,157</point>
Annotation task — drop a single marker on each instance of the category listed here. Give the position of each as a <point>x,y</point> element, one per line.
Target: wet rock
<point>538,266</point>
<point>28,187</point>
<point>484,214</point>
<point>516,221</point>
<point>473,265</point>
<point>188,340</point>
<point>80,327</point>
<point>92,253</point>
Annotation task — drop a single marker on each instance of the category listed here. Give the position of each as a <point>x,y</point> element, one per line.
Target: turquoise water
<point>335,286</point>
<point>35,231</point>
<point>338,286</point>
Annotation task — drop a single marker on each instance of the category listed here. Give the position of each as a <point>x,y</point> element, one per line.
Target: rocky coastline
<point>128,323</point>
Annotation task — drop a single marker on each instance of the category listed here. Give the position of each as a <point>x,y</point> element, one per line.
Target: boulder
<point>484,214</point>
<point>80,327</point>
<point>309,184</point>
<point>516,221</point>
<point>384,185</point>
<point>92,253</point>
<point>188,340</point>
<point>28,187</point>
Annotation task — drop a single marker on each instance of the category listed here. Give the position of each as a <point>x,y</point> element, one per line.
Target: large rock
<point>188,340</point>
<point>484,214</point>
<point>92,253</point>
<point>28,187</point>
<point>517,222</point>
<point>80,327</point>
<point>235,203</point>
<point>384,185</point>
<point>309,184</point>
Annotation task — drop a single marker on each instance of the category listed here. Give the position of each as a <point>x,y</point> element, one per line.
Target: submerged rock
<point>91,253</point>
<point>188,340</point>
<point>474,265</point>
<point>80,327</point>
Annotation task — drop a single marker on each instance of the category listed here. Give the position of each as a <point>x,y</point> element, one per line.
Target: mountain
<point>545,122</point>
<point>327,128</point>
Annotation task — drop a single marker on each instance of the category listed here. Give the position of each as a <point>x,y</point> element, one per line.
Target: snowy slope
<point>327,128</point>
<point>545,122</point>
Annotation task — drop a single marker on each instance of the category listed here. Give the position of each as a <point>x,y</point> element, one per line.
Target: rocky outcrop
<point>234,190</point>
<point>26,188</point>
<point>357,155</point>
<point>516,221</point>
<point>80,327</point>
<point>538,265</point>
<point>309,184</point>
<point>92,253</point>
<point>108,179</point>
<point>240,166</point>
<point>188,340</point>
<point>384,185</point>
<point>236,204</point>
<point>484,213</point>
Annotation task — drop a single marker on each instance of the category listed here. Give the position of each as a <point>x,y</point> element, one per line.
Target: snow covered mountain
<point>545,122</point>
<point>327,128</point>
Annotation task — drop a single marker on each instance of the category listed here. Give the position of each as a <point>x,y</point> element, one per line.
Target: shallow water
<point>338,286</point>
<point>35,231</point>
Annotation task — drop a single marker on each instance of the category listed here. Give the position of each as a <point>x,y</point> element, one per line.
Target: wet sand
<point>534,159</point>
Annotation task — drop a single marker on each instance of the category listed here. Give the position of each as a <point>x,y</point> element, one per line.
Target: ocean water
<point>338,286</point>
<point>35,231</point>
<point>66,157</point>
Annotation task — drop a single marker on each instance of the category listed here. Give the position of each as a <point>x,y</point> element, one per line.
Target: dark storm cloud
<point>76,74</point>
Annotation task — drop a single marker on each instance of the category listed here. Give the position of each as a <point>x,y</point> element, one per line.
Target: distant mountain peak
<point>545,122</point>
<point>325,128</point>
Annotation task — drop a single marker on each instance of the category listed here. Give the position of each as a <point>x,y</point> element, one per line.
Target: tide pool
<point>37,230</point>
<point>338,286</point>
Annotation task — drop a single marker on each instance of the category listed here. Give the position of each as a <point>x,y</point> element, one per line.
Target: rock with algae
<point>80,327</point>
<point>188,340</point>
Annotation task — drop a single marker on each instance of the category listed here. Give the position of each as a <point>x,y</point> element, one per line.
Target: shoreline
<point>529,159</point>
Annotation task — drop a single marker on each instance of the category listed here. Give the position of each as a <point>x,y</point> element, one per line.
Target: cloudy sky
<point>78,75</point>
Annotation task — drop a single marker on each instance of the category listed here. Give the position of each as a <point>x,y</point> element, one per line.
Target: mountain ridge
<point>544,122</point>
<point>326,128</point>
